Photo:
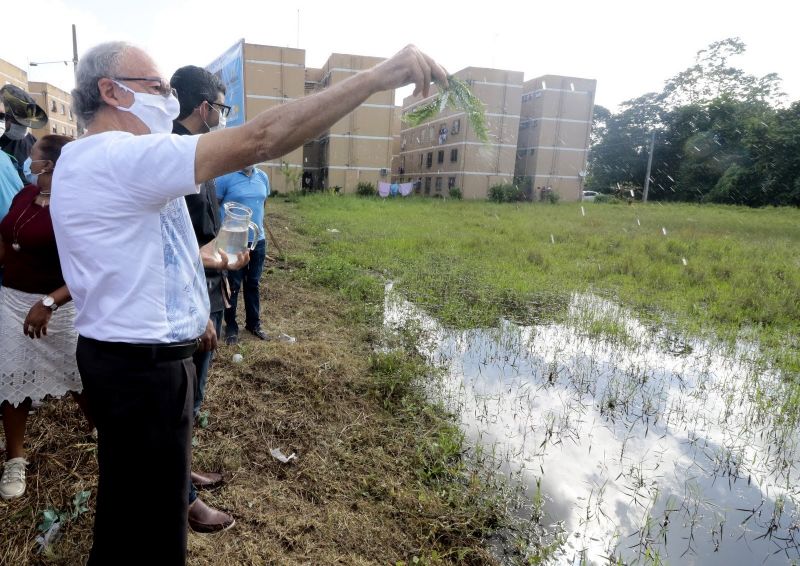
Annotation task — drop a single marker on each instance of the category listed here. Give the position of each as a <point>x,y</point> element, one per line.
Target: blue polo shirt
<point>10,183</point>
<point>250,191</point>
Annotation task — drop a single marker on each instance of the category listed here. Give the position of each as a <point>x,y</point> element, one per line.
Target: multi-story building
<point>11,74</point>
<point>355,149</point>
<point>444,152</point>
<point>58,105</point>
<point>56,102</point>
<point>274,76</point>
<point>538,130</point>
<point>359,147</point>
<point>554,128</point>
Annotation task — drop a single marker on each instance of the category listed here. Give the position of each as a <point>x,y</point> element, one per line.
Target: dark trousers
<point>246,278</point>
<point>202,361</point>
<point>143,413</point>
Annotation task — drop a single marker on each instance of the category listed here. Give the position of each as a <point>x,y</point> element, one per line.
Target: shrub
<point>366,190</point>
<point>506,192</point>
<point>455,193</point>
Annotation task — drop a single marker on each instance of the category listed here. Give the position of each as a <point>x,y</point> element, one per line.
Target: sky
<point>629,47</point>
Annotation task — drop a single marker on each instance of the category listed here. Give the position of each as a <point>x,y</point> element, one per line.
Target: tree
<point>721,136</point>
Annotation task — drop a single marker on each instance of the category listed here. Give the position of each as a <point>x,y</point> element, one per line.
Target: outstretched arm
<point>281,129</point>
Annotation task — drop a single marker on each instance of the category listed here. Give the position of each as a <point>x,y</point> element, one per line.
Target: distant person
<point>37,336</point>
<point>202,109</point>
<point>250,187</point>
<point>133,266</point>
<point>21,113</point>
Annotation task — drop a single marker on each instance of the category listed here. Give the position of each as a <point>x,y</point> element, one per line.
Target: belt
<point>153,352</point>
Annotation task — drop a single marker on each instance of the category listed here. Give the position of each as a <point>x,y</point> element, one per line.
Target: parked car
<point>588,196</point>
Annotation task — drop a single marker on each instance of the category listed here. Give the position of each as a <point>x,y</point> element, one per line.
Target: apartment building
<point>58,105</point>
<point>444,152</point>
<point>538,129</point>
<point>12,74</point>
<point>274,76</point>
<point>554,128</point>
<point>55,101</point>
<point>359,147</point>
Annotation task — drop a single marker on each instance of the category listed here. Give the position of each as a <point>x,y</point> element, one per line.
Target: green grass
<point>471,262</point>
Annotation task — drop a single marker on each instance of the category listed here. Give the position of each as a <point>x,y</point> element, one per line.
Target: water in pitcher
<point>232,240</point>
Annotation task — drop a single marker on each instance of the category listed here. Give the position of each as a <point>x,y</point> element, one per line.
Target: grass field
<point>725,272</point>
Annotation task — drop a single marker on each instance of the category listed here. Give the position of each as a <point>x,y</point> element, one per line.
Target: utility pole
<point>649,166</point>
<point>75,54</point>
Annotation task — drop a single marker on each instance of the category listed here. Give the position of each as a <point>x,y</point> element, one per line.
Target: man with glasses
<point>133,266</point>
<point>202,96</point>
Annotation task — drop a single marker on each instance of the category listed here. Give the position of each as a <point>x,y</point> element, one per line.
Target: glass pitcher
<point>236,225</point>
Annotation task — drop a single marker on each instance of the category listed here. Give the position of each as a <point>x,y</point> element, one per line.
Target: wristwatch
<point>50,303</point>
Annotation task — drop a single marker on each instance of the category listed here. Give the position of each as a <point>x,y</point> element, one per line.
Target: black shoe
<point>258,333</point>
<point>232,339</point>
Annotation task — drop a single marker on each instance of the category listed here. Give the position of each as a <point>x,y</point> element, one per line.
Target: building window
<point>421,157</point>
<point>427,185</point>
<point>456,127</point>
<point>403,143</point>
<point>424,135</point>
<point>53,106</point>
<point>63,130</point>
<point>431,133</point>
<point>429,160</point>
<point>451,182</point>
<point>454,155</point>
<point>63,109</point>
<point>55,129</point>
<point>440,156</point>
<point>70,114</point>
<point>438,184</point>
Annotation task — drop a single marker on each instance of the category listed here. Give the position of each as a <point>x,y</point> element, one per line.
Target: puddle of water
<point>642,442</point>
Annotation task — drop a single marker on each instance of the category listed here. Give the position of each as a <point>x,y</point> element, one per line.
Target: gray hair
<point>100,61</point>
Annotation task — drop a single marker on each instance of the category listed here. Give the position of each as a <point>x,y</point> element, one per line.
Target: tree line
<point>721,135</point>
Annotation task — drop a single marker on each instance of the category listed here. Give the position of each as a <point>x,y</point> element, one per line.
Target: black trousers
<point>143,413</point>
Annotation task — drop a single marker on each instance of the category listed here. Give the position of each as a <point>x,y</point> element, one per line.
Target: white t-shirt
<point>128,251</point>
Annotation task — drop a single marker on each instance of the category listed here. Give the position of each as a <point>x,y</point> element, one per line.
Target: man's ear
<point>202,111</point>
<point>112,95</point>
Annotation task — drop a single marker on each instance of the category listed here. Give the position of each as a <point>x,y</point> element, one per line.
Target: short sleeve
<point>154,168</point>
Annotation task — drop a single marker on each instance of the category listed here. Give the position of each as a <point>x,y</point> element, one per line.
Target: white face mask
<point>2,128</point>
<point>16,132</point>
<point>154,110</point>
<point>222,120</point>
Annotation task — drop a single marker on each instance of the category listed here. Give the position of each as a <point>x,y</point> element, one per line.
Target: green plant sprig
<point>456,95</point>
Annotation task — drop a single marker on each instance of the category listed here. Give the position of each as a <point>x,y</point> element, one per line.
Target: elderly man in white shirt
<point>131,261</point>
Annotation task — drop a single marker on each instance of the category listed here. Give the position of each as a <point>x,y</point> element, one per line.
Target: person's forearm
<point>279,130</point>
<point>61,295</point>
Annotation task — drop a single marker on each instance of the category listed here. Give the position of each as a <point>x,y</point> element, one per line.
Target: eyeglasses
<point>2,116</point>
<point>223,109</point>
<point>163,88</point>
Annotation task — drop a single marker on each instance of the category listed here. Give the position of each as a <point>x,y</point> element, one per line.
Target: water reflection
<point>643,443</point>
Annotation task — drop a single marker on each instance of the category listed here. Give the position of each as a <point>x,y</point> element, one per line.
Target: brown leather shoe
<point>205,519</point>
<point>207,480</point>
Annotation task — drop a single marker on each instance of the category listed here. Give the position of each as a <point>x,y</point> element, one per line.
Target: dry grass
<point>353,496</point>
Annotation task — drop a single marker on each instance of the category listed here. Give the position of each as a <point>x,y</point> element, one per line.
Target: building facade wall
<point>58,105</point>
<point>554,134</point>
<point>274,76</point>
<point>11,74</point>
<point>359,147</point>
<point>467,163</point>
